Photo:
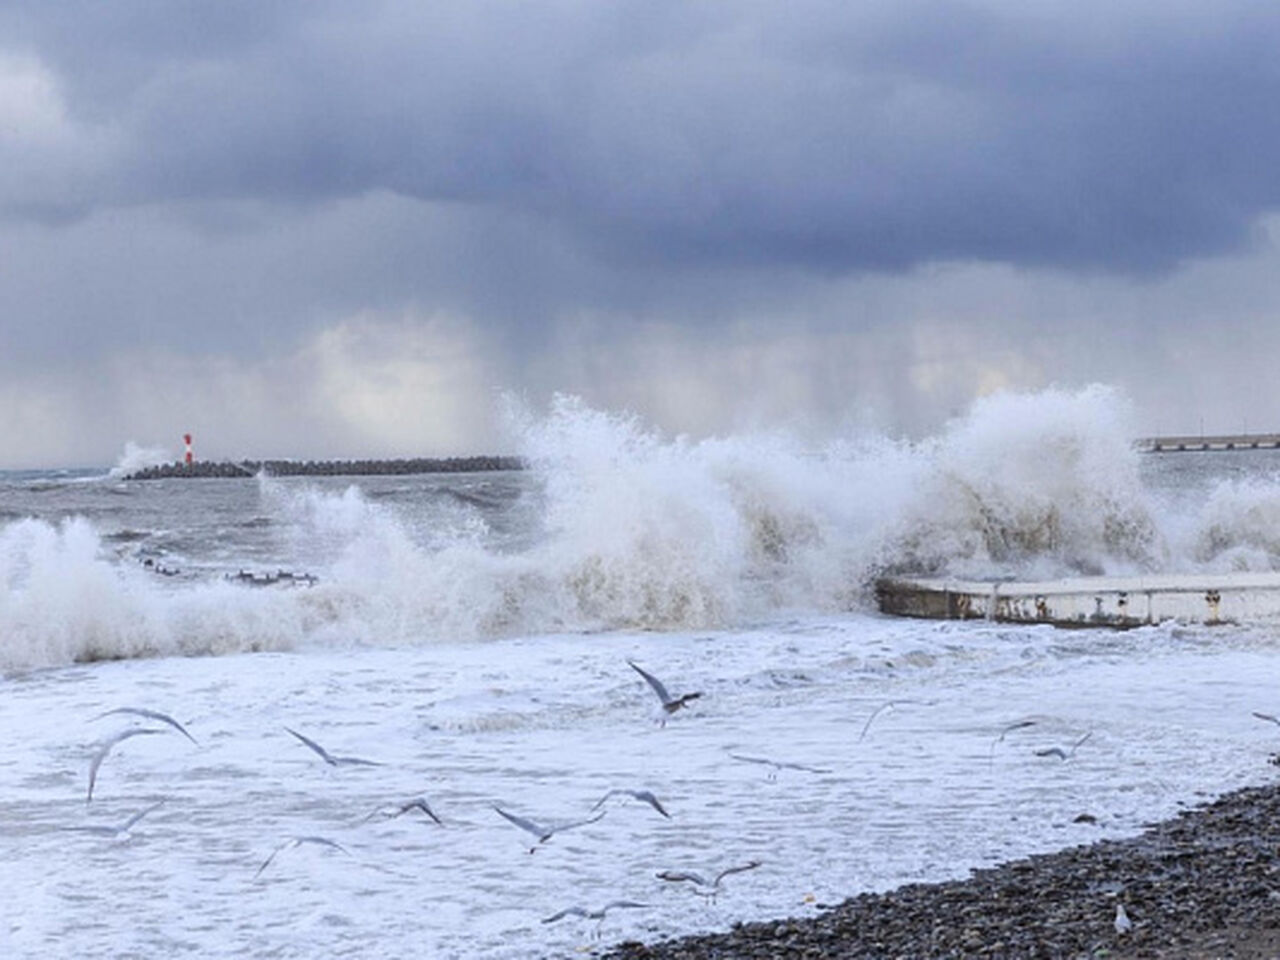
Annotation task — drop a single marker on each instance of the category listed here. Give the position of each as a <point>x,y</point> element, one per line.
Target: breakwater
<point>1225,441</point>
<point>205,469</point>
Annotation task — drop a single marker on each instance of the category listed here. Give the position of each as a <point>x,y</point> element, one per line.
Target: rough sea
<point>469,636</point>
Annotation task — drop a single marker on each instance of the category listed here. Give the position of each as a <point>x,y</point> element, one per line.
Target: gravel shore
<point>1205,884</point>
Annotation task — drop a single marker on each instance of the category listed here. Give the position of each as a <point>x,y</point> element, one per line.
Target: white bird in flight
<point>106,748</point>
<point>151,715</point>
<point>297,842</point>
<point>888,705</point>
<point>670,704</point>
<point>701,886</point>
<point>778,765</point>
<point>597,915</point>
<point>331,759</point>
<point>643,795</point>
<point>1018,725</point>
<point>594,914</point>
<point>545,832</point>
<point>399,809</point>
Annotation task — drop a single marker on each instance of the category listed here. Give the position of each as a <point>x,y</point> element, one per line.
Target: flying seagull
<point>887,705</point>
<point>545,833</point>
<point>778,765</point>
<point>151,715</point>
<point>105,830</point>
<point>1064,754</point>
<point>329,758</point>
<point>642,795</point>
<point>106,748</point>
<point>397,810</point>
<point>1267,716</point>
<point>670,704</point>
<point>597,915</point>
<point>1019,725</point>
<point>701,886</point>
<point>297,842</point>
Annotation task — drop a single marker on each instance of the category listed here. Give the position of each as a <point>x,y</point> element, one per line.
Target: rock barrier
<point>205,469</point>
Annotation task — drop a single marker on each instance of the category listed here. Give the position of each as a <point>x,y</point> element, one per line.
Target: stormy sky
<point>310,228</point>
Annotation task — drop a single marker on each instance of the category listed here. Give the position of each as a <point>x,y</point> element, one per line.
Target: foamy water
<point>471,634</point>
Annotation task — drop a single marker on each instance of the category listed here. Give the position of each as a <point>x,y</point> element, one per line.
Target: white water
<point>472,635</point>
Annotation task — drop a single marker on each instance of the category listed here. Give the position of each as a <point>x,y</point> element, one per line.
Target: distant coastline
<point>211,469</point>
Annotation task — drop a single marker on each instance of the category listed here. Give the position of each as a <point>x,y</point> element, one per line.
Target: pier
<point>1090,601</point>
<point>1202,442</point>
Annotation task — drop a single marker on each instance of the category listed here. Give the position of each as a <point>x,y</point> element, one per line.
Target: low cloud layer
<point>594,195</point>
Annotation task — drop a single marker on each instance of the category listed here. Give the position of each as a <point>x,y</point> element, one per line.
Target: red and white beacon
<point>186,437</point>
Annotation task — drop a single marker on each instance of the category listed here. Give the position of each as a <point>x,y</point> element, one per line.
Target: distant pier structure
<point>1201,442</point>
<point>227,469</point>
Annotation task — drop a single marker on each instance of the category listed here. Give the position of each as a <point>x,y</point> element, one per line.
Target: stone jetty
<point>205,469</point>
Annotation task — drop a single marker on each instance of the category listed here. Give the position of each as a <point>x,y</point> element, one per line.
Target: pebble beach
<point>1205,884</point>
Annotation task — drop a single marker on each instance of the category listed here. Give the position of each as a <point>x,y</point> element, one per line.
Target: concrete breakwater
<point>205,469</point>
<point>1090,601</point>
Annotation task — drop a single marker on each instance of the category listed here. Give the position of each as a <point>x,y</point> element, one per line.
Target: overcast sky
<point>309,228</point>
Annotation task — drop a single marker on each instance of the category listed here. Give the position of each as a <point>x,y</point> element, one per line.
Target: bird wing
<point>621,905</point>
<point>1020,725</point>
<point>651,800</point>
<point>128,824</point>
<point>1081,741</point>
<point>611,793</point>
<point>746,759</point>
<point>314,746</point>
<point>1266,716</point>
<point>575,823</point>
<point>528,825</point>
<point>749,865</point>
<point>322,841</point>
<point>106,748</point>
<point>151,715</point>
<point>682,876</point>
<point>354,762</point>
<point>576,911</point>
<point>272,855</point>
<point>1052,752</point>
<point>420,804</point>
<point>654,682</point>
<point>871,719</point>
<point>805,767</point>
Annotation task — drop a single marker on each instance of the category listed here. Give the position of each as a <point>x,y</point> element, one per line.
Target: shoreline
<point>1204,884</point>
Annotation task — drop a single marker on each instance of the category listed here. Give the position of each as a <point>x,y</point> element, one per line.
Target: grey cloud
<point>831,137</point>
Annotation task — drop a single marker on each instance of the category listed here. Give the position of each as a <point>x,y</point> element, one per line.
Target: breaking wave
<point>616,526</point>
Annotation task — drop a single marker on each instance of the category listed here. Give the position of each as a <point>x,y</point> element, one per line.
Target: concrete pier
<point>1090,601</point>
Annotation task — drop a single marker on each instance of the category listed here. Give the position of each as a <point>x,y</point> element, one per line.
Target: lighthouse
<point>186,438</point>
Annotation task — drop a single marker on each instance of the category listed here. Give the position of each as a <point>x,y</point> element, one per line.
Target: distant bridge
<point>1226,441</point>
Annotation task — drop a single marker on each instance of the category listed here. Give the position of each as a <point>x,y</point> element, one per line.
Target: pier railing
<point>1225,441</point>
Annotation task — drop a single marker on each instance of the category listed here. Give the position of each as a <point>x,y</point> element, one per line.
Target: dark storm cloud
<point>834,137</point>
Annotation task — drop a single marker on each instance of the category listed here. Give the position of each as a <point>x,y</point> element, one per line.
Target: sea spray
<point>613,526</point>
<point>137,457</point>
<point>1035,485</point>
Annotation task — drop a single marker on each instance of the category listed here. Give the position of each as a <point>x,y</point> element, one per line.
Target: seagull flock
<point>704,885</point>
<point>541,831</point>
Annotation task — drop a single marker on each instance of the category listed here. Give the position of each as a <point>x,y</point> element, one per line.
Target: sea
<point>476,640</point>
